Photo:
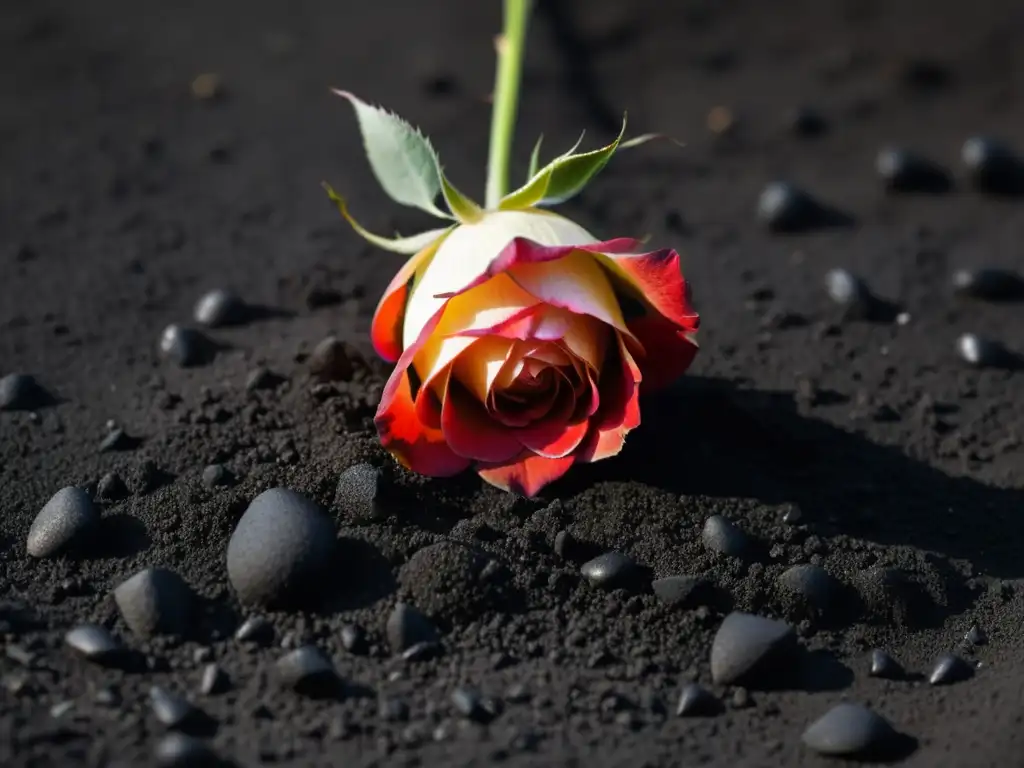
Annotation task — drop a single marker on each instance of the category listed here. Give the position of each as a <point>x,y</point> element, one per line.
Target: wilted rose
<point>521,343</point>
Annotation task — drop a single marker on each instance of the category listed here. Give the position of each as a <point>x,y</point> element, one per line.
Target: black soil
<point>856,441</point>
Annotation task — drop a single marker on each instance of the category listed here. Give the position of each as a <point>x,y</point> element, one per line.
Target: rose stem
<point>509,44</point>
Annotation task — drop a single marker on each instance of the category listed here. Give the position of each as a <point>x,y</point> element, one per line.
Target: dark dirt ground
<point>123,198</point>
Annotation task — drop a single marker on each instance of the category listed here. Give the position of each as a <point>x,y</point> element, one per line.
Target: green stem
<point>506,98</point>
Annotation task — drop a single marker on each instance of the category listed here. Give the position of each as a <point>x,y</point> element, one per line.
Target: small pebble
<point>111,488</point>
<point>95,643</point>
<point>185,346</point>
<point>470,704</point>
<point>885,666</point>
<point>983,353</point>
<point>408,627</point>
<point>208,86</point>
<point>255,630</point>
<point>994,167</point>
<point>219,308</point>
<point>813,584</point>
<point>684,591</point>
<point>905,171</point>
<point>107,696</point>
<point>697,701</point>
<point>361,492</point>
<point>783,207</point>
<point>179,750</point>
<point>262,378</point>
<point>118,440</point>
<point>66,521</point>
<point>309,672</point>
<point>725,537</point>
<point>421,652</point>
<point>353,639</point>
<point>155,601</point>
<point>989,284</point>
<point>612,570</point>
<point>173,711</point>
<point>331,360</point>
<point>216,476</point>
<point>751,650</point>
<point>950,668</point>
<point>215,680</point>
<point>851,293</point>
<point>849,730</point>
<point>21,392</point>
<point>976,636</point>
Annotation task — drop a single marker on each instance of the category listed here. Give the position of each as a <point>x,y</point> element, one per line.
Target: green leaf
<point>397,244</point>
<point>465,210</point>
<point>564,177</point>
<point>534,158</point>
<point>401,157</point>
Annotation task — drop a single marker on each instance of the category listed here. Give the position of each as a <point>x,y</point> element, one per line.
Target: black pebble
<point>885,666</point>
<point>331,360</point>
<point>994,167</point>
<point>989,284</point>
<point>262,378</point>
<point>852,294</point>
<point>96,644</point>
<point>309,672</point>
<point>185,346</point>
<point>421,652</point>
<point>813,584</point>
<point>684,591</point>
<point>361,492</point>
<point>612,570</point>
<point>975,636</point>
<point>155,601</point>
<point>753,650</point>
<point>111,488</point>
<point>173,711</point>
<point>21,392</point>
<point>849,730</point>
<point>353,639</point>
<point>697,701</point>
<point>783,207</point>
<point>407,627</point>
<point>178,750</point>
<point>470,704</point>
<point>215,680</point>
<point>980,352</point>
<point>217,475</point>
<point>255,630</point>
<point>808,123</point>
<point>725,537</point>
<point>904,171</point>
<point>280,549</point>
<point>220,308</point>
<point>118,440</point>
<point>67,520</point>
<point>950,668</point>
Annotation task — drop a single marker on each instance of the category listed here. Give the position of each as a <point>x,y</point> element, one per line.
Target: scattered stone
<point>976,636</point>
<point>989,284</point>
<point>994,166</point>
<point>421,652</point>
<point>21,392</point>
<point>792,514</point>
<point>219,308</point>
<point>255,630</point>
<point>683,591</point>
<point>280,548</point>
<point>208,87</point>
<point>216,476</point>
<point>155,601</point>
<point>753,651</point>
<point>179,750</point>
<point>407,627</point>
<point>173,711</point>
<point>185,346</point>
<point>850,730</point>
<point>808,123</point>
<point>66,521</point>
<point>309,672</point>
<point>852,294</point>
<point>885,666</point>
<point>58,710</point>
<point>19,654</point>
<point>107,696</point>
<point>980,352</point>
<point>215,680</point>
<point>470,704</point>
<point>814,585</point>
<point>612,570</point>
<point>905,171</point>
<point>353,639</point>
<point>118,440</point>
<point>331,360</point>
<point>740,699</point>
<point>949,669</point>
<point>697,701</point>
<point>362,492</point>
<point>725,537</point>
<point>262,378</point>
<point>111,488</point>
<point>783,207</point>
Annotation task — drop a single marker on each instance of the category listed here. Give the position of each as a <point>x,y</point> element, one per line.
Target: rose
<point>521,343</point>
